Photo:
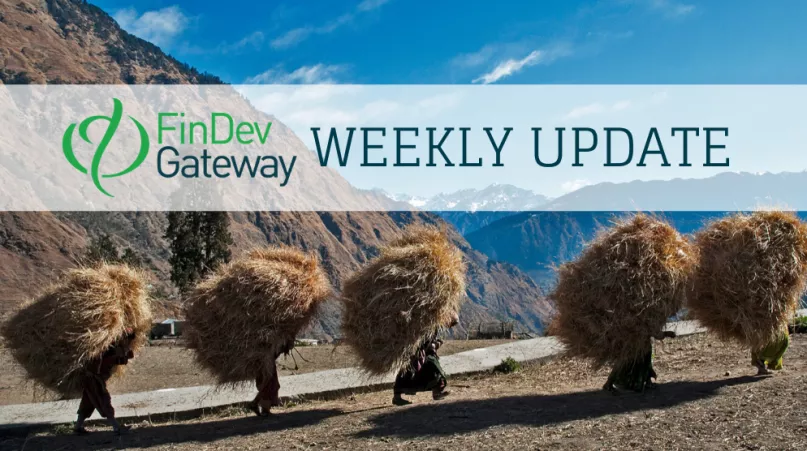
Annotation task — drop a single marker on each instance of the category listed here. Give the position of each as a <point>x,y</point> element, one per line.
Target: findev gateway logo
<point>193,163</point>
<point>112,126</point>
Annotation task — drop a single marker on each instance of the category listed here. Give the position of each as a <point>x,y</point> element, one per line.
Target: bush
<point>800,325</point>
<point>508,365</point>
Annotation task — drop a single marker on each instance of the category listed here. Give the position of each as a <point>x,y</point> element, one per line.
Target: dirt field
<point>708,399</point>
<point>170,365</point>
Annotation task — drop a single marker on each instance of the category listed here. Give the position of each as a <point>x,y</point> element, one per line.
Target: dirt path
<point>708,399</point>
<point>167,366</point>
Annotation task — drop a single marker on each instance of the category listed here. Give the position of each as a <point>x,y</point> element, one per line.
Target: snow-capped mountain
<point>495,197</point>
<point>471,209</point>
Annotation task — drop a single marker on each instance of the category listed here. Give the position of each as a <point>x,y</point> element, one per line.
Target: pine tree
<point>101,250</point>
<point>130,257</point>
<point>217,239</point>
<point>199,244</point>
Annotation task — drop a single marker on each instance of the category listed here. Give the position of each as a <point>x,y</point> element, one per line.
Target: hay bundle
<point>415,286</point>
<point>752,274</point>
<point>621,290</point>
<point>245,312</point>
<point>77,320</point>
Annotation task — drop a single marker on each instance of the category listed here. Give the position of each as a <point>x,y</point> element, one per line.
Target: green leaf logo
<point>95,165</point>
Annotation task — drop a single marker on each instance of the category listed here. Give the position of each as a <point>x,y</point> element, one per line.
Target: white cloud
<point>292,37</point>
<point>511,66</point>
<point>574,185</point>
<point>253,40</point>
<point>158,26</point>
<point>671,8</point>
<point>475,59</point>
<point>300,34</point>
<point>369,5</point>
<point>316,74</point>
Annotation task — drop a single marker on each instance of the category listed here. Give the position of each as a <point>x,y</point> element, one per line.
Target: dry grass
<point>752,273</point>
<point>242,315</point>
<point>414,287</point>
<point>621,290</point>
<point>75,321</point>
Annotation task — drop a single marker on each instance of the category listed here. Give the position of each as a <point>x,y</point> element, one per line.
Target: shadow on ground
<point>200,433</point>
<point>540,410</point>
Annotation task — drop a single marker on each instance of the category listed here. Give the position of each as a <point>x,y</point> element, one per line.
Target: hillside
<point>537,242</point>
<point>69,41</point>
<point>729,191</point>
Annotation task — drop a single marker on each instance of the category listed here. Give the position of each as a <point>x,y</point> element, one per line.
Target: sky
<point>467,42</point>
<point>377,42</point>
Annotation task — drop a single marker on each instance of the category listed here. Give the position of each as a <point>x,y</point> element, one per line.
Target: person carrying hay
<point>424,372</point>
<point>416,285</point>
<point>80,332</point>
<point>636,375</point>
<point>751,277</point>
<point>618,295</point>
<point>95,396</point>
<point>246,314</point>
<point>268,384</point>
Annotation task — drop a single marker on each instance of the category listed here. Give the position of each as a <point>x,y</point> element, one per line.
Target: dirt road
<point>167,366</point>
<point>707,399</point>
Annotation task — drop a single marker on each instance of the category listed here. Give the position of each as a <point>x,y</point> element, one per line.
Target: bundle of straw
<point>75,321</point>
<point>752,274</point>
<point>413,288</point>
<point>245,312</point>
<point>622,289</point>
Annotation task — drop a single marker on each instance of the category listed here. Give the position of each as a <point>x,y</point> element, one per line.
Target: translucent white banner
<point>376,147</point>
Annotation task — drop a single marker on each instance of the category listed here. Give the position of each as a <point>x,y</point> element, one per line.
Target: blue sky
<point>451,41</point>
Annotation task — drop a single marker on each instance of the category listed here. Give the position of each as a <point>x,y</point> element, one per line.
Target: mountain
<point>71,41</point>
<point>538,242</point>
<point>495,197</point>
<point>471,209</point>
<point>729,191</point>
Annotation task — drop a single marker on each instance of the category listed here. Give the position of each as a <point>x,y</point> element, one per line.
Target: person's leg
<point>85,410</point>
<point>102,401</point>
<point>434,378</point>
<point>397,390</point>
<point>759,363</point>
<point>439,392</point>
<point>775,360</point>
<point>255,406</point>
<point>269,393</point>
<point>609,383</point>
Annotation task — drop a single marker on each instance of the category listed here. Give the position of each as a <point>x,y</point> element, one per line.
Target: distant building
<point>306,342</point>
<point>167,328</point>
<point>493,330</point>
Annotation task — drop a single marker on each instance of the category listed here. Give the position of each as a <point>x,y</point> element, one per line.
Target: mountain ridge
<point>71,41</point>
